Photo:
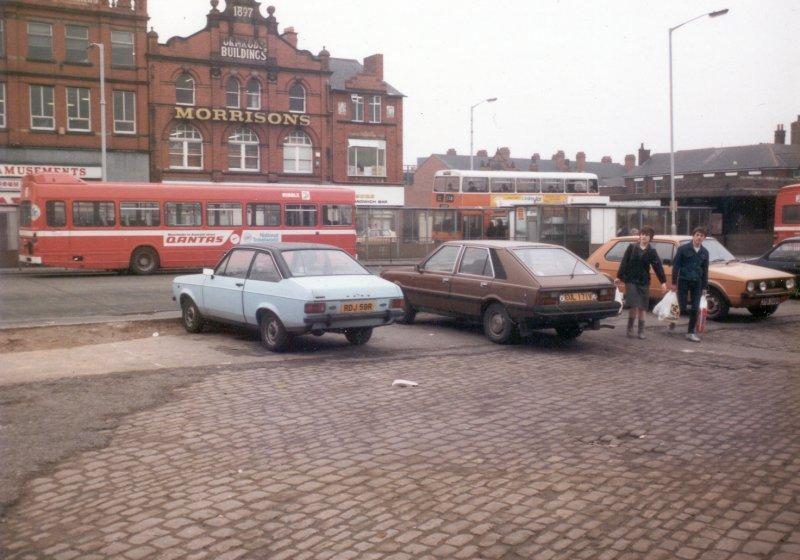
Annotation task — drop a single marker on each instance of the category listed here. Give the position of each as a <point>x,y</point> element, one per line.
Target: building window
<point>42,117</point>
<point>184,90</point>
<point>232,93</point>
<point>358,107</point>
<point>78,103</point>
<point>122,48</point>
<point>2,105</point>
<point>125,112</point>
<point>40,41</point>
<point>366,158</point>
<point>185,148</point>
<point>77,43</point>
<point>243,150</point>
<point>638,186</point>
<point>375,109</point>
<point>253,94</point>
<point>2,38</point>
<point>297,153</point>
<point>297,98</point>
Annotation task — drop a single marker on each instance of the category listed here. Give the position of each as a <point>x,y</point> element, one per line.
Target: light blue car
<point>289,289</point>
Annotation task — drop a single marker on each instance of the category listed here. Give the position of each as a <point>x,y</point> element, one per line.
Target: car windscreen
<point>321,262</point>
<point>716,250</point>
<point>552,261</point>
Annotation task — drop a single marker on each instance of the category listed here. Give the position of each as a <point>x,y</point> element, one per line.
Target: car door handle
<point>239,284</point>
<point>445,280</point>
<point>484,284</point>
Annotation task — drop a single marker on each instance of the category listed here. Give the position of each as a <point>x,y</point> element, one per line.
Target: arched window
<point>297,98</point>
<point>253,94</point>
<point>232,92</point>
<point>184,90</point>
<point>297,153</point>
<point>243,150</point>
<point>185,148</point>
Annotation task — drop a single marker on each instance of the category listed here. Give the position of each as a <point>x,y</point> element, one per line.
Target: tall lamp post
<point>103,160</point>
<point>673,206</point>
<point>472,130</point>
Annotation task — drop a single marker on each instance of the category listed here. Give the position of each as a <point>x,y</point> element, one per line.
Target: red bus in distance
<point>787,213</point>
<point>142,227</point>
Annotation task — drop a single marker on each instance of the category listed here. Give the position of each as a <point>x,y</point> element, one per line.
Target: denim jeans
<point>695,288</point>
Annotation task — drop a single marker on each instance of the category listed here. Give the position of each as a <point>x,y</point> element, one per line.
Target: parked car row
<point>289,289</point>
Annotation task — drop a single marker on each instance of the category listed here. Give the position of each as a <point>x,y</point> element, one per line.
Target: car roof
<point>283,246</point>
<point>789,239</point>
<point>499,243</point>
<point>657,238</point>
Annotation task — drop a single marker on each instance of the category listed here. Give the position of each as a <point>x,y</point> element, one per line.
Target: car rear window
<point>553,261</point>
<point>617,251</point>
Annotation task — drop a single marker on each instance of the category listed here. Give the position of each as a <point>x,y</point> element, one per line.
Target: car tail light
<point>547,298</point>
<point>316,307</point>
<point>605,295</point>
<point>396,303</point>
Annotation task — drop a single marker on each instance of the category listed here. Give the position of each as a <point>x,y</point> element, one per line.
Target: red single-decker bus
<point>787,213</point>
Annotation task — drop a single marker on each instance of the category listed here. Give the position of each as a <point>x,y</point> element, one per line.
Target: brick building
<point>418,194</point>
<point>240,101</point>
<point>738,182</point>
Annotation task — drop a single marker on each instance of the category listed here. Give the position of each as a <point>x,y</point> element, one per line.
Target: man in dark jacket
<point>634,270</point>
<point>690,276</point>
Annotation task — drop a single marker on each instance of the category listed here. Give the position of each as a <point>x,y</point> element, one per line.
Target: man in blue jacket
<point>690,276</point>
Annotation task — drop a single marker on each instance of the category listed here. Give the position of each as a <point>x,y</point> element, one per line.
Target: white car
<point>289,289</point>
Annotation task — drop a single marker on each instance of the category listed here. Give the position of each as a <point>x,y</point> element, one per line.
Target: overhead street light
<point>673,207</point>
<point>472,130</point>
<point>103,159</point>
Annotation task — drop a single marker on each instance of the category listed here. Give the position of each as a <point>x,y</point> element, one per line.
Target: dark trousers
<point>685,288</point>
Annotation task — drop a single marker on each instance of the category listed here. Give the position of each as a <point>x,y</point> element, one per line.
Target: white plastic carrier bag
<point>702,317</point>
<point>668,309</point>
<point>619,297</point>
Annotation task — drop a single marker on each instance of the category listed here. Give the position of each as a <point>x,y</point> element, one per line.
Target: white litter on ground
<point>404,383</point>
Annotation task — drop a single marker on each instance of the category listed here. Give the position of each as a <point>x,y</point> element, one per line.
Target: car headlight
<point>763,286</point>
<point>751,286</point>
<point>790,284</point>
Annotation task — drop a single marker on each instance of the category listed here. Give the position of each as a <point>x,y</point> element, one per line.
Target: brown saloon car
<point>512,286</point>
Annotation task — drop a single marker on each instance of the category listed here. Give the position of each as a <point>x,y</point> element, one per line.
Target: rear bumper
<point>556,315</point>
<point>329,322</point>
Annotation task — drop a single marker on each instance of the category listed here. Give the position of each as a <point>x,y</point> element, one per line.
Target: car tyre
<point>144,261</point>
<point>191,317</point>
<point>717,305</point>
<point>762,311</point>
<point>409,313</point>
<point>568,332</point>
<point>273,334</point>
<point>359,336</point>
<point>497,324</point>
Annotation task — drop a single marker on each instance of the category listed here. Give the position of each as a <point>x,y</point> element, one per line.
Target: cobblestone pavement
<point>542,450</point>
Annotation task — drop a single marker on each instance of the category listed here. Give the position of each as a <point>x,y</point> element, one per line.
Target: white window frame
<point>296,146</point>
<point>240,140</point>
<point>296,97</point>
<point>2,104</point>
<point>253,99</point>
<point>185,142</point>
<point>84,39</point>
<point>29,34</point>
<point>42,107</point>
<point>375,109</point>
<point>124,96</point>
<point>357,101</point>
<point>193,90</point>
<point>230,92</point>
<point>377,170</point>
<point>83,103</point>
<point>2,38</point>
<point>123,44</point>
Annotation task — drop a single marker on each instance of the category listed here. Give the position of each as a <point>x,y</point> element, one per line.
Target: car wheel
<point>357,337</point>
<point>191,317</point>
<point>273,334</point>
<point>762,310</point>
<point>497,325</point>
<point>408,313</point>
<point>717,305</point>
<point>569,332</point>
<point>144,261</point>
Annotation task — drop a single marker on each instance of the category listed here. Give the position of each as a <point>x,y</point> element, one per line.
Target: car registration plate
<point>358,307</point>
<point>578,297</point>
<point>771,301</point>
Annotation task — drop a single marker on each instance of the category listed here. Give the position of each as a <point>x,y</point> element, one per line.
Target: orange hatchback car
<point>731,283</point>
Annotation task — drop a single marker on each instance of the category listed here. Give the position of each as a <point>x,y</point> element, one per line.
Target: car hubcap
<point>189,316</point>
<point>713,304</point>
<point>497,323</point>
<point>272,332</point>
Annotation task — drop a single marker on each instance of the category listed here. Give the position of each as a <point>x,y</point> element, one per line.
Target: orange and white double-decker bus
<point>787,213</point>
<point>141,227</point>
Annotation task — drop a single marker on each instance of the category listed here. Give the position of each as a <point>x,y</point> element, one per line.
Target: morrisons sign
<point>236,115</point>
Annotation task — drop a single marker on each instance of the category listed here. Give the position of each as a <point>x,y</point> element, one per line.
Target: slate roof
<point>345,68</point>
<point>712,160</point>
<point>610,174</point>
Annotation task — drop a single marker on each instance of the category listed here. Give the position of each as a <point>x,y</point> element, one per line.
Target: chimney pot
<point>780,135</point>
<point>451,152</point>
<point>644,155</point>
<point>606,159</point>
<point>536,157</point>
<point>482,153</point>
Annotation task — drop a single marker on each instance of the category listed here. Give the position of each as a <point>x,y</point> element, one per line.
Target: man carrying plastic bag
<point>690,277</point>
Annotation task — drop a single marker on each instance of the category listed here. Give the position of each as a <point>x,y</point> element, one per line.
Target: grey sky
<point>572,75</point>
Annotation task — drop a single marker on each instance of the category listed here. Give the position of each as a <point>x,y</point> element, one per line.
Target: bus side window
<point>56,211</point>
<point>337,215</point>
<point>93,214</point>
<point>139,214</point>
<point>263,214</point>
<point>183,214</point>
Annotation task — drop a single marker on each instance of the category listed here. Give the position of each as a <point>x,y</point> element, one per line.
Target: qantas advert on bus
<point>66,222</point>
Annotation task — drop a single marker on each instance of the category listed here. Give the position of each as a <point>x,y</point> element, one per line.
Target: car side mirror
<point>208,272</point>
<point>418,267</point>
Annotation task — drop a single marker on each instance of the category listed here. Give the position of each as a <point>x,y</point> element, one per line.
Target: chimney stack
<point>630,162</point>
<point>536,157</point>
<point>606,159</point>
<point>452,152</point>
<point>780,135</point>
<point>580,162</point>
<point>644,155</point>
<point>290,36</point>
<point>482,153</point>
<point>559,158</point>
<point>374,65</point>
<point>795,127</point>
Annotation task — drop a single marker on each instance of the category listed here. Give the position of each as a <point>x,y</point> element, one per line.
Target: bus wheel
<point>144,261</point>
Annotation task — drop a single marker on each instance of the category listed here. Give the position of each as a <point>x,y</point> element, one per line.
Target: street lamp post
<point>103,159</point>
<point>472,130</point>
<point>673,206</point>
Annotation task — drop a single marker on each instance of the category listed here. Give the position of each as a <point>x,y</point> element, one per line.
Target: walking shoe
<point>641,335</point>
<point>692,337</point>
<point>671,327</point>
